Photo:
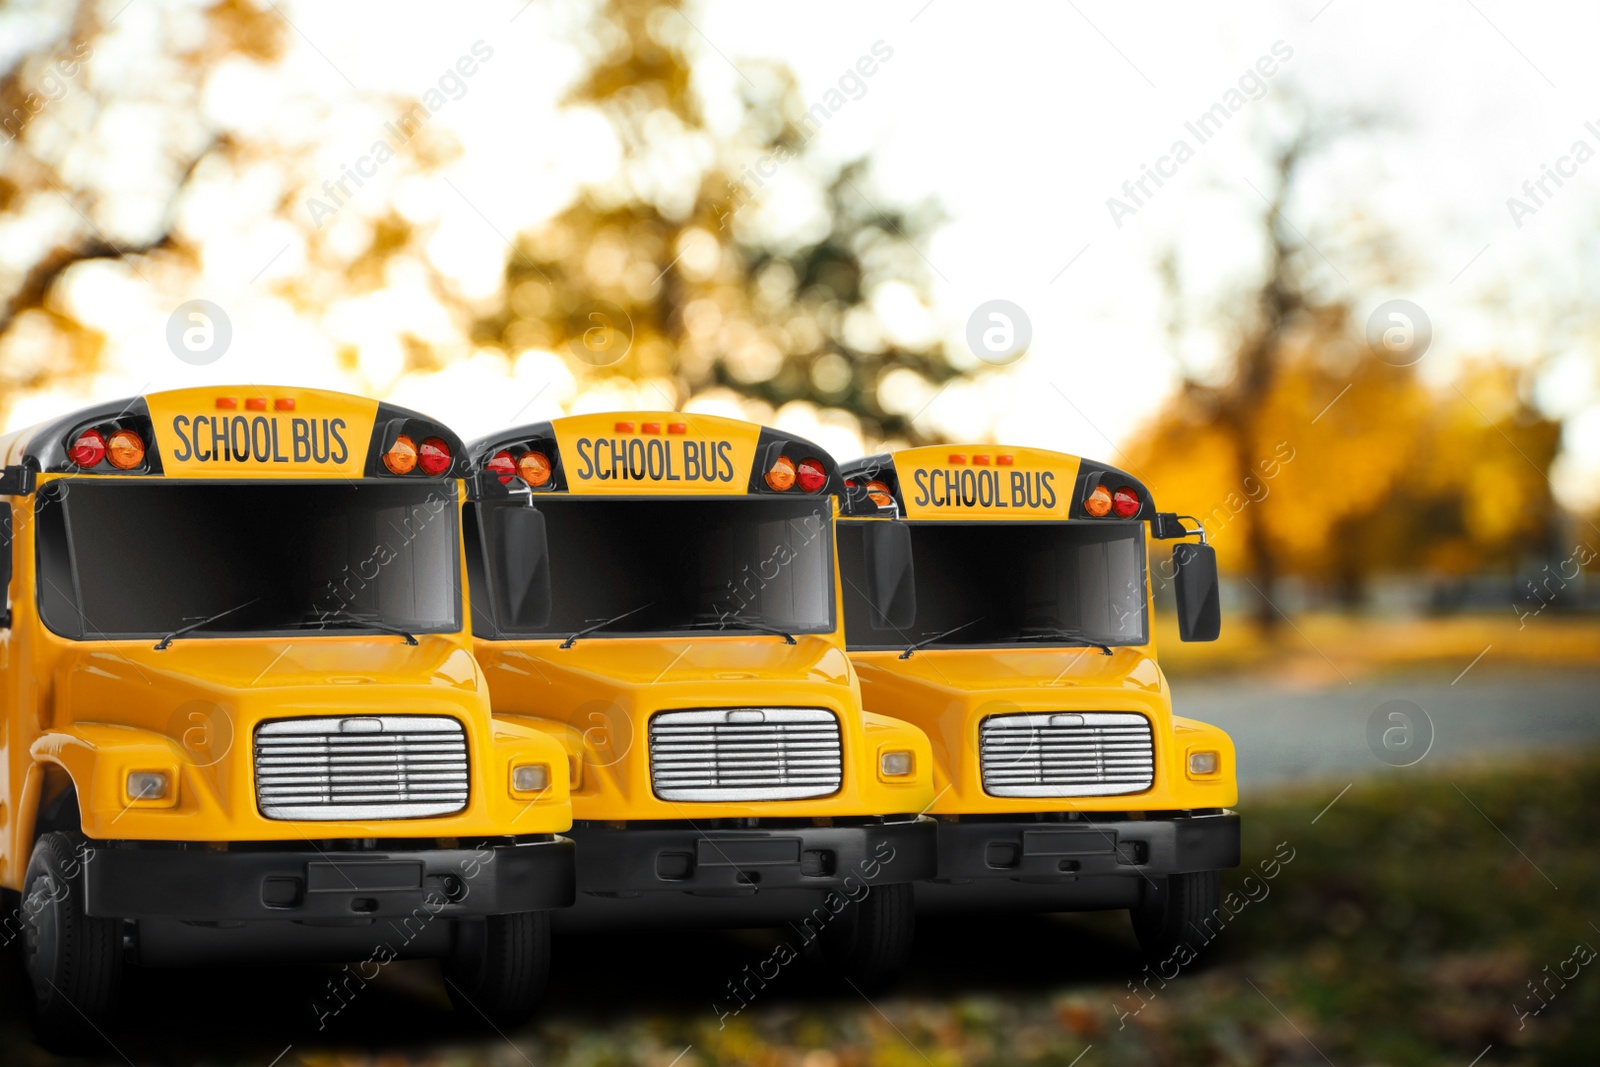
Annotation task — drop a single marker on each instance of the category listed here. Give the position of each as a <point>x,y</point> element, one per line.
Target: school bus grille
<point>1061,754</point>
<point>745,754</point>
<point>366,767</point>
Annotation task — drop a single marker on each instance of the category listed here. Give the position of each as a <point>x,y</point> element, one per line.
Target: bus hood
<point>699,663</point>
<point>130,683</point>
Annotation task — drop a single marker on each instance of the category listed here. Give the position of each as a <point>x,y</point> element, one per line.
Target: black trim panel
<point>643,859</point>
<point>1027,850</point>
<point>540,436</point>
<point>389,422</point>
<point>131,881</point>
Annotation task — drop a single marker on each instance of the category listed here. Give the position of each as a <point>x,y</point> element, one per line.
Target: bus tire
<point>870,940</point>
<point>1173,916</point>
<point>73,961</point>
<point>499,967</point>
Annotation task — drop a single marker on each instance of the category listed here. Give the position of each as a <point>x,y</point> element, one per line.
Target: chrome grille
<point>745,754</point>
<point>367,767</point>
<point>1057,754</point>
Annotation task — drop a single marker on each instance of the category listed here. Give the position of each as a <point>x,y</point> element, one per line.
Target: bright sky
<point>1021,120</point>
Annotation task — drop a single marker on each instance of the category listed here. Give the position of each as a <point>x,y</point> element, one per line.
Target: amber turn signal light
<point>534,468</point>
<point>402,456</point>
<point>125,450</point>
<point>1098,503</point>
<point>781,476</point>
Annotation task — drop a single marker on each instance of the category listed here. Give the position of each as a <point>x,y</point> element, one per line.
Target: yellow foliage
<point>1360,469</point>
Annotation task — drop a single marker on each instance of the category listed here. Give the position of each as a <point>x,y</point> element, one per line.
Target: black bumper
<point>1061,852</point>
<point>645,858</point>
<point>200,885</point>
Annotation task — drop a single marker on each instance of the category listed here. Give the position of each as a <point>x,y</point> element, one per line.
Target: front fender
<point>99,757</point>
<point>914,792</point>
<point>1219,790</point>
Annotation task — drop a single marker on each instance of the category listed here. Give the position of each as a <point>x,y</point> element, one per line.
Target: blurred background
<point>1200,222</point>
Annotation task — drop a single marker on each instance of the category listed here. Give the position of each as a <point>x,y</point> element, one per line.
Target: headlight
<point>1204,763</point>
<point>898,764</point>
<point>530,778</point>
<point>148,785</point>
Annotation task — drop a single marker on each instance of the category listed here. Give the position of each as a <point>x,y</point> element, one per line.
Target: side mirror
<point>1199,605</point>
<point>521,558</point>
<point>891,584</point>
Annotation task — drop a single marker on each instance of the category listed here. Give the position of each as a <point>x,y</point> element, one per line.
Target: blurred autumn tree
<point>1311,457</point>
<point>715,287</point>
<point>815,299</point>
<point>60,206</point>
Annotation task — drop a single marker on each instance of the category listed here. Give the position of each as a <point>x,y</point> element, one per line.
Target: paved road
<point>1287,734</point>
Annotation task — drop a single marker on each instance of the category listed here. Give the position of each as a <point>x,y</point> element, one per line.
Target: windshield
<point>999,583</point>
<point>667,566</point>
<point>142,559</point>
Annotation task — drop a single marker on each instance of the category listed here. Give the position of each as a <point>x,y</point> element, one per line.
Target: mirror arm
<point>1200,531</point>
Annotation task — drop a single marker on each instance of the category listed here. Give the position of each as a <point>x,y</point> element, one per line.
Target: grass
<point>1409,921</point>
<point>1404,930</point>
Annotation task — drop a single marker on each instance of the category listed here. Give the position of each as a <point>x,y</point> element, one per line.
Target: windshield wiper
<point>208,620</point>
<point>926,641</point>
<point>346,616</point>
<point>601,625</point>
<point>1062,633</point>
<point>741,622</point>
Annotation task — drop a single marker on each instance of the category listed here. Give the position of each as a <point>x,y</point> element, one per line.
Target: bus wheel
<point>870,940</point>
<point>1173,914</point>
<point>73,962</point>
<point>499,966</point>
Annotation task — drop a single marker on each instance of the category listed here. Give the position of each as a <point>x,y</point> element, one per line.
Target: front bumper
<point>143,881</point>
<point>1056,853</point>
<point>646,857</point>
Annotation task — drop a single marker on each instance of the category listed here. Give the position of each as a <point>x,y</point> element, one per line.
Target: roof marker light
<point>980,461</point>
<point>125,450</point>
<point>1098,502</point>
<point>227,403</point>
<point>283,403</point>
<point>650,427</point>
<point>957,460</point>
<point>1002,461</point>
<point>255,403</point>
<point>677,427</point>
<point>624,427</point>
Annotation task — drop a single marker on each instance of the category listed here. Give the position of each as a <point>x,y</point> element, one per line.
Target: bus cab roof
<point>992,482</point>
<point>241,431</point>
<point>647,453</point>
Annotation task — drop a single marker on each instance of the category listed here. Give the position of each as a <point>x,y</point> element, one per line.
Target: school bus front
<point>664,584</point>
<point>242,716</point>
<point>999,598</point>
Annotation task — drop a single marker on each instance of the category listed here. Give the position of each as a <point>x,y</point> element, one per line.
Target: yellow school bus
<point>241,716</point>
<point>1000,599</point>
<point>664,584</point>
